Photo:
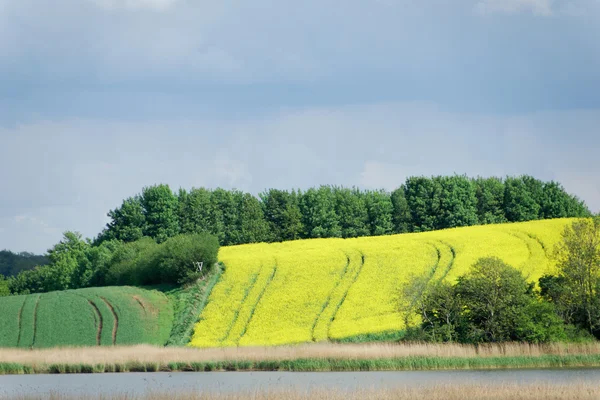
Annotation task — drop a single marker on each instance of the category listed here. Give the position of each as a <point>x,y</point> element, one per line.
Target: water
<point>223,382</point>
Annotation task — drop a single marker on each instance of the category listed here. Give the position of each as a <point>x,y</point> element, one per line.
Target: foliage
<point>98,316</point>
<point>160,208</point>
<point>332,289</point>
<point>13,263</point>
<point>76,263</point>
<point>576,288</point>
<point>420,204</point>
<point>492,303</point>
<point>4,289</point>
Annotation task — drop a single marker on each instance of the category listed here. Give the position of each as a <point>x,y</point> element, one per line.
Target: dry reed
<point>165,355</point>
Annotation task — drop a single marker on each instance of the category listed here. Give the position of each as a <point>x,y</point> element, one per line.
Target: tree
<point>490,200</point>
<point>457,202</point>
<point>195,211</point>
<point>400,211</point>
<point>519,203</point>
<point>251,224</point>
<point>282,213</point>
<point>13,263</point>
<point>4,290</point>
<point>492,303</point>
<point>224,216</point>
<point>128,222</point>
<point>422,197</point>
<point>379,208</point>
<point>352,212</point>
<point>160,212</point>
<point>319,218</point>
<point>578,261</point>
<point>65,259</point>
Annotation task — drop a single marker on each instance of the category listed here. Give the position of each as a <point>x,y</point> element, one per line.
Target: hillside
<point>320,289</point>
<point>86,317</point>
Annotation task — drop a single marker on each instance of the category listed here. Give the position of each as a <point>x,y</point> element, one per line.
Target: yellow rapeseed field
<point>320,289</point>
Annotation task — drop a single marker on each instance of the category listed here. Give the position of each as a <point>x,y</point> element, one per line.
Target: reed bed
<point>330,351</point>
<point>316,357</point>
<point>575,391</point>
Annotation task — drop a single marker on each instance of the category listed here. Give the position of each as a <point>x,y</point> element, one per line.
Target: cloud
<point>536,7</point>
<point>66,175</point>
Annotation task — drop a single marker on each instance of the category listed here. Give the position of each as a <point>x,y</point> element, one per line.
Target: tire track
<point>341,302</point>
<point>100,322</point>
<point>237,313</point>
<point>329,297</point>
<point>35,318</point>
<point>20,317</point>
<point>452,260</point>
<point>116,324</point>
<point>260,296</point>
<point>428,279</point>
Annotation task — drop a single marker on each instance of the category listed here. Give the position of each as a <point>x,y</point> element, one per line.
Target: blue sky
<point>101,97</point>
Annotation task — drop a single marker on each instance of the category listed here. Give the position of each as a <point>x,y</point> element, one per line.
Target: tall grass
<point>318,357</point>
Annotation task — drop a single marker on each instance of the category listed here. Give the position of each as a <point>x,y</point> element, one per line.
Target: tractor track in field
<point>528,242</point>
<point>35,318</point>
<point>339,305</point>
<point>452,260</point>
<point>136,298</point>
<point>260,296</point>
<point>425,283</point>
<point>99,320</point>
<point>116,323</point>
<point>19,319</point>
<point>237,313</point>
<point>326,304</point>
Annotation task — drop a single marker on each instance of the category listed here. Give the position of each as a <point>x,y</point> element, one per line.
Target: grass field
<point>336,289</point>
<point>85,317</point>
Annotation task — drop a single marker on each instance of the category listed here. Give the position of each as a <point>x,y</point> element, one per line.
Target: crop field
<point>331,289</point>
<point>85,317</point>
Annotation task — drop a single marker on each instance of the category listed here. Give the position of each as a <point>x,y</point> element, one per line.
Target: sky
<point>99,98</point>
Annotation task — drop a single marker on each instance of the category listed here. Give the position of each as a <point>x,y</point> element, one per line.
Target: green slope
<point>86,317</point>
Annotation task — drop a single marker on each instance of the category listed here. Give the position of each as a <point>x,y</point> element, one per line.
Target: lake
<point>223,382</point>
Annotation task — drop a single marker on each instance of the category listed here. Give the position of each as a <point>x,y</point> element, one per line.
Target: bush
<point>145,262</point>
<point>178,255</point>
<point>492,303</point>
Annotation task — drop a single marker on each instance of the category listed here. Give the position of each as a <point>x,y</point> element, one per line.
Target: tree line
<point>420,204</point>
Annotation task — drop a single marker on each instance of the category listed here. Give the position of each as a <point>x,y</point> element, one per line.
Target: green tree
<point>4,289</point>
<point>251,224</point>
<point>379,208</point>
<point>401,211</point>
<point>423,198</point>
<point>282,213</point>
<point>65,258</point>
<point>195,211</point>
<point>224,215</point>
<point>490,200</point>
<point>519,202</point>
<point>578,261</point>
<point>352,212</point>
<point>317,207</point>
<point>457,202</point>
<point>160,211</point>
<point>492,303</point>
<point>128,222</point>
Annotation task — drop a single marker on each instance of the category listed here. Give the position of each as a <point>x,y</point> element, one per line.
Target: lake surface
<point>223,382</point>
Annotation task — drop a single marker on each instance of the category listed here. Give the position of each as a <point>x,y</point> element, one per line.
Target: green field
<point>86,317</point>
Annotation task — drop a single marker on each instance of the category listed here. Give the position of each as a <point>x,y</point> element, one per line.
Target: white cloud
<point>76,170</point>
<point>536,7</point>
